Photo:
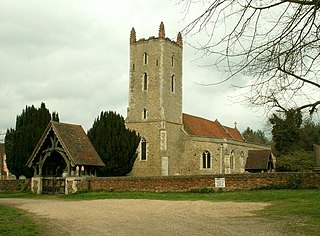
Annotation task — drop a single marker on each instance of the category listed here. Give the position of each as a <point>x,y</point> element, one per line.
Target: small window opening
<point>172,84</point>
<point>145,58</point>
<point>145,81</point>
<point>145,113</point>
<point>172,61</point>
<point>157,62</point>
<point>143,156</point>
<point>133,66</point>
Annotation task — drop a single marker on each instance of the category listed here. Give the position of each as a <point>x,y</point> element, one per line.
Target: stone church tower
<point>155,102</point>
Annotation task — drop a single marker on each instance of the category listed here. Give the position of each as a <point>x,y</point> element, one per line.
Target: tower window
<point>172,84</point>
<point>206,160</point>
<point>145,81</point>
<point>145,114</point>
<point>133,66</point>
<point>172,61</point>
<point>143,154</point>
<point>145,58</point>
<point>157,62</point>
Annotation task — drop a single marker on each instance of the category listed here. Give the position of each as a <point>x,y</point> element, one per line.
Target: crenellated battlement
<point>161,36</point>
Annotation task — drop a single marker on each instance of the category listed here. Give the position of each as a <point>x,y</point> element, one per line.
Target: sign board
<point>219,182</point>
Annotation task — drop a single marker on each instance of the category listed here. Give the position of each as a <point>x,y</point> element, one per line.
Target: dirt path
<point>146,217</point>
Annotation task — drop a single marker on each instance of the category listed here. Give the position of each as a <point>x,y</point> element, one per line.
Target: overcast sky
<point>73,55</point>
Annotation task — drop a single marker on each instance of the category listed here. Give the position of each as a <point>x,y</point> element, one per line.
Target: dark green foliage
<point>309,134</point>
<point>294,141</point>
<point>285,131</point>
<point>115,144</point>
<point>255,136</point>
<point>20,142</point>
<point>297,161</point>
<point>203,190</point>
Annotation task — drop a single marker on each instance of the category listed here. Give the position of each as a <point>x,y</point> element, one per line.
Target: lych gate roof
<point>75,143</point>
<point>258,159</point>
<point>206,128</point>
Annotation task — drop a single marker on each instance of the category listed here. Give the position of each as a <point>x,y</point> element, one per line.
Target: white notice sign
<point>219,182</point>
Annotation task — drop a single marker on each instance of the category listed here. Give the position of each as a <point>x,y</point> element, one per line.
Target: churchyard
<point>269,212</point>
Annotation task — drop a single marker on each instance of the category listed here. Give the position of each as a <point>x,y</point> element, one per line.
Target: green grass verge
<point>299,210</point>
<point>17,222</point>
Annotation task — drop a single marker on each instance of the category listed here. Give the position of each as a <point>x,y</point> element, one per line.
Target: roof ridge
<point>201,118</point>
<point>63,123</point>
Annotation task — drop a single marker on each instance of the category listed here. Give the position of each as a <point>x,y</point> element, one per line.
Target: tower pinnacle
<point>133,36</point>
<point>179,39</point>
<point>162,34</point>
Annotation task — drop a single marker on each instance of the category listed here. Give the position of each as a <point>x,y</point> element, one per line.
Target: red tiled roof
<point>206,128</point>
<point>234,133</point>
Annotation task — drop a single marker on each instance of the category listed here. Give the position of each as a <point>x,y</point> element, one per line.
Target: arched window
<point>145,58</point>
<point>143,152</point>
<point>242,159</point>
<point>145,81</point>
<point>172,84</point>
<point>206,160</point>
<point>232,160</point>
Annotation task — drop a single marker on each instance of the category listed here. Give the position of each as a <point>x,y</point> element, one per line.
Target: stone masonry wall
<point>21,185</point>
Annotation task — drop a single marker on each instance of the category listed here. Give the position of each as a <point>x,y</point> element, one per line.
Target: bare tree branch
<point>276,43</point>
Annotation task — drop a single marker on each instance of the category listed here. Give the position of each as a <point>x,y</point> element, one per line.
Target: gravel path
<point>146,217</point>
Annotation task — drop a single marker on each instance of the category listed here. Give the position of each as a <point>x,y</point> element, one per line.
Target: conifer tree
<point>20,142</point>
<point>285,130</point>
<point>115,144</point>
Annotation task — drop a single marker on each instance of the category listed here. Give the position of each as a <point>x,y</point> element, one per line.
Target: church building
<point>172,142</point>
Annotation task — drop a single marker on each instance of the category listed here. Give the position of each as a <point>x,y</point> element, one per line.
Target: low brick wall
<point>193,183</point>
<point>182,183</point>
<point>20,185</point>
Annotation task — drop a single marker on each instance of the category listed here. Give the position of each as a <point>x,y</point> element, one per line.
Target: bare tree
<point>275,42</point>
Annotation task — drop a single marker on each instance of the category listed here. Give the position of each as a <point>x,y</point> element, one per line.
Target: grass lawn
<point>16,222</point>
<point>300,209</point>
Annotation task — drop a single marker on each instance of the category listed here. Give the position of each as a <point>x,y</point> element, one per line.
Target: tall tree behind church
<point>255,136</point>
<point>20,142</point>
<point>294,138</point>
<point>115,144</point>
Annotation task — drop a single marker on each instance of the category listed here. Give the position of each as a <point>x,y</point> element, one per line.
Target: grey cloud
<point>73,55</point>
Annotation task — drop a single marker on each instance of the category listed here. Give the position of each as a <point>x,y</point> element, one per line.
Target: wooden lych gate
<point>64,151</point>
<point>53,185</point>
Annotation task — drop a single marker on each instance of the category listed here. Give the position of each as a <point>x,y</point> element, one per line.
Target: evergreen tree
<point>255,136</point>
<point>115,144</point>
<point>309,134</point>
<point>285,131</point>
<point>21,141</point>
<point>294,141</point>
